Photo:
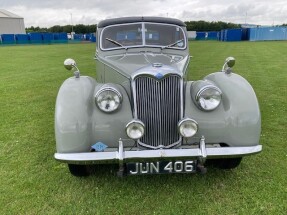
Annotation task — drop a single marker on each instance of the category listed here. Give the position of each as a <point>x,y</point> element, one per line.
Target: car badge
<point>99,147</point>
<point>159,75</point>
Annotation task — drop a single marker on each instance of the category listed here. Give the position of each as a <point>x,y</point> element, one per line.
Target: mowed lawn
<point>32,182</point>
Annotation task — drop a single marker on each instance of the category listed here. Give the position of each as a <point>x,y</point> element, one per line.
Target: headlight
<point>135,129</point>
<point>108,99</point>
<point>187,127</point>
<point>208,98</point>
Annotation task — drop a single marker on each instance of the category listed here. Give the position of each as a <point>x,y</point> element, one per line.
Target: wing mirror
<point>70,64</point>
<point>228,64</point>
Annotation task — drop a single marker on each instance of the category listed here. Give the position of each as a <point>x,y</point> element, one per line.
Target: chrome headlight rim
<point>182,121</point>
<point>135,121</point>
<point>203,89</point>
<point>112,89</point>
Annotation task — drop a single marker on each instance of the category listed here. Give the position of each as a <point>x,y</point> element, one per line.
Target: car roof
<point>123,20</point>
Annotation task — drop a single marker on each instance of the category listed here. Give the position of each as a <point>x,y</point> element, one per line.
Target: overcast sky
<point>63,12</point>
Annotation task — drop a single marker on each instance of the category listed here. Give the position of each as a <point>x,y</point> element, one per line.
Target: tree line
<point>78,29</point>
<point>209,26</point>
<point>190,25</point>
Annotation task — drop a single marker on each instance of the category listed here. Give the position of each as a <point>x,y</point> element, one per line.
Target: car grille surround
<point>158,104</point>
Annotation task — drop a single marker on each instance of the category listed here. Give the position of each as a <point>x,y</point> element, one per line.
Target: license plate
<point>161,167</point>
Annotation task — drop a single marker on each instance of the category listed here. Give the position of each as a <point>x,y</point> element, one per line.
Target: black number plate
<point>161,167</point>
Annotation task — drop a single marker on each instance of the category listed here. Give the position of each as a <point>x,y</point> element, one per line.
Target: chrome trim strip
<point>134,97</point>
<point>125,156</point>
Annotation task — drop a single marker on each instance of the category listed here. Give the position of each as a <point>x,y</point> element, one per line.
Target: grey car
<point>142,113</point>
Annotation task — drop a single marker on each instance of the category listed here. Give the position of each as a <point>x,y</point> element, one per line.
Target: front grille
<point>158,105</point>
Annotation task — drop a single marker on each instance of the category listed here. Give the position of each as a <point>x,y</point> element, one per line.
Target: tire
<point>78,170</point>
<point>227,163</point>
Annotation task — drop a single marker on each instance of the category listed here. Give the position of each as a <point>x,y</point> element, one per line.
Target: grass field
<point>32,182</point>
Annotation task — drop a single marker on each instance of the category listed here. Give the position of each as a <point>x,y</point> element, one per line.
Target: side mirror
<point>230,61</point>
<point>228,64</point>
<point>70,64</point>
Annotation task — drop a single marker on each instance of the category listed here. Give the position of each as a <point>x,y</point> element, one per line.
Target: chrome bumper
<point>121,156</point>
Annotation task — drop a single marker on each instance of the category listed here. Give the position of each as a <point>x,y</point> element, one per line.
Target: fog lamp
<point>187,127</point>
<point>135,129</point>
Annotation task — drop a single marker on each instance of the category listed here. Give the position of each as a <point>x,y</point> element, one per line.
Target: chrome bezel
<point>138,122</point>
<point>198,94</point>
<point>108,88</point>
<point>184,120</point>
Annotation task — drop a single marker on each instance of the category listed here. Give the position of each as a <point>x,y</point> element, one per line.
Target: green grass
<point>32,182</point>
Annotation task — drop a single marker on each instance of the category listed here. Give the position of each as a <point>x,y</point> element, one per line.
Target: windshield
<point>143,34</point>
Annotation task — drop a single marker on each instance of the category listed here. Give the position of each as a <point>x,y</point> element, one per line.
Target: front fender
<point>237,120</point>
<point>72,114</point>
<point>79,123</point>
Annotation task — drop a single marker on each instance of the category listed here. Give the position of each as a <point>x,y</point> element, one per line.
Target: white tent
<point>191,35</point>
<point>11,23</point>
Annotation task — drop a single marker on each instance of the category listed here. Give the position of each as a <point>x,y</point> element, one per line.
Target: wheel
<point>226,163</point>
<point>78,170</point>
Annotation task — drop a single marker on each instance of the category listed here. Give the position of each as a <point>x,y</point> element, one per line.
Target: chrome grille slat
<point>158,105</point>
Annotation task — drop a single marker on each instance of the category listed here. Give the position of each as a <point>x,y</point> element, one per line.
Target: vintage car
<point>143,114</point>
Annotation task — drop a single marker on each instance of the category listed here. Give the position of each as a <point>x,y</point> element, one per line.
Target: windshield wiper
<point>173,44</point>
<point>115,42</point>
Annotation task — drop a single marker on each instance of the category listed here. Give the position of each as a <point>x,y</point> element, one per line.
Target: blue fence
<point>60,37</point>
<point>93,38</point>
<point>200,35</point>
<point>78,37</point>
<point>8,38</point>
<point>43,38</point>
<point>47,38</point>
<point>208,35</point>
<point>222,34</point>
<point>90,37</point>
<point>267,33</point>
<point>22,38</point>
<point>244,34</point>
<point>35,38</point>
<point>232,35</point>
<point>212,35</point>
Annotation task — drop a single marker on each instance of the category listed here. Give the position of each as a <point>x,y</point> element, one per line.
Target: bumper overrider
<point>200,152</point>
